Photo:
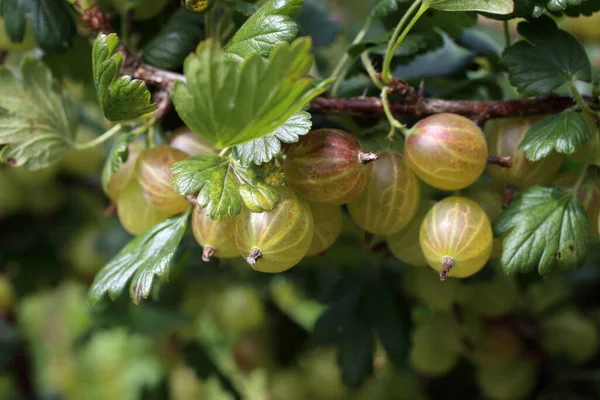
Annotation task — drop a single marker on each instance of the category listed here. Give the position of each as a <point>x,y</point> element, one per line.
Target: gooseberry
<point>405,244</point>
<point>572,334</point>
<point>135,212</point>
<point>126,172</point>
<point>327,166</point>
<point>447,151</point>
<point>327,227</point>
<point>391,198</point>
<point>513,382</point>
<point>187,141</point>
<point>504,137</point>
<point>240,309</point>
<point>498,347</point>
<point>456,237</point>
<point>276,240</point>
<point>155,176</point>
<point>216,237</point>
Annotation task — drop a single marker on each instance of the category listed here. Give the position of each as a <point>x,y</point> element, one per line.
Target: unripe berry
<point>240,309</point>
<point>155,176</point>
<point>504,137</point>
<point>391,198</point>
<point>405,244</point>
<point>447,151</point>
<point>126,172</point>
<point>187,141</point>
<point>328,221</point>
<point>456,237</point>
<point>276,240</point>
<point>135,212</point>
<point>327,166</point>
<point>216,237</point>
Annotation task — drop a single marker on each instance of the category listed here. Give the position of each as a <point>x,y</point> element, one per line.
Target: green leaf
<point>37,122</point>
<point>561,5</point>
<point>547,228</point>
<point>229,104</point>
<point>147,255</point>
<point>264,149</point>
<point>315,21</point>
<point>176,40</point>
<point>121,98</point>
<point>268,27</point>
<point>547,59</point>
<point>385,7</point>
<point>118,155</point>
<point>453,23</point>
<point>355,355</point>
<point>563,133</point>
<point>14,14</point>
<point>221,185</point>
<point>586,8</point>
<point>493,7</point>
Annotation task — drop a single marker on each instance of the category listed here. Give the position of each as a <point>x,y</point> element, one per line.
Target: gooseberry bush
<point>295,199</point>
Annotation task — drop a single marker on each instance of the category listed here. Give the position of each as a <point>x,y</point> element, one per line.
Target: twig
<point>501,161</point>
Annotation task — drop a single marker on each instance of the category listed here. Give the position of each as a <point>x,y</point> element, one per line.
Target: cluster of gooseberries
<point>328,168</point>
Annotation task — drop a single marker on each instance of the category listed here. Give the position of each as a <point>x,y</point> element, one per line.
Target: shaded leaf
<point>355,354</point>
<point>121,97</point>
<point>563,133</point>
<point>493,7</point>
<point>37,122</point>
<point>314,21</point>
<point>547,59</point>
<point>118,155</point>
<point>385,7</point>
<point>547,228</point>
<point>149,254</point>
<point>14,14</point>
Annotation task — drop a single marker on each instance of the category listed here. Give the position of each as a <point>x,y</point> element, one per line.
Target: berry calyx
<point>276,240</point>
<point>391,198</point>
<point>327,166</point>
<point>447,151</point>
<point>217,238</point>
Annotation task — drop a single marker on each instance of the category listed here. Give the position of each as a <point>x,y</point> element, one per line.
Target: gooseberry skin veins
<point>135,211</point>
<point>327,220</point>
<point>391,198</point>
<point>324,167</point>
<point>457,227</point>
<point>447,151</point>
<point>282,235</point>
<point>504,137</point>
<point>155,176</point>
<point>219,235</point>
<point>405,245</point>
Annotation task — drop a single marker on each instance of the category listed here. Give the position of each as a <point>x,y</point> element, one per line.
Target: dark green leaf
<point>385,7</point>
<point>270,26</point>
<point>264,149</point>
<point>314,21</point>
<point>51,23</point>
<point>147,255</point>
<point>547,228</point>
<point>355,354</point>
<point>176,40</point>
<point>561,5</point>
<point>37,122</point>
<point>452,23</point>
<point>563,133</point>
<point>121,98</point>
<point>586,8</point>
<point>547,59</point>
<point>14,14</point>
<point>197,358</point>
<point>118,155</point>
<point>493,7</point>
<point>230,104</point>
<point>256,195</point>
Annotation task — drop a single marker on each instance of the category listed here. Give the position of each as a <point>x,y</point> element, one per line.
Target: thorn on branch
<point>501,161</point>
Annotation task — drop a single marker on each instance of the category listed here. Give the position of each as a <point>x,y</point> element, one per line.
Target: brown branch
<point>501,161</point>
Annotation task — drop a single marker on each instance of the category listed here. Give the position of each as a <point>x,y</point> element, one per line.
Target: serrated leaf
<point>493,7</point>
<point>14,14</point>
<point>262,150</point>
<point>315,21</point>
<point>547,228</point>
<point>121,98</point>
<point>548,59</point>
<point>563,133</point>
<point>268,27</point>
<point>176,40</point>
<point>256,195</point>
<point>149,254</point>
<point>229,104</point>
<point>37,122</point>
<point>118,155</point>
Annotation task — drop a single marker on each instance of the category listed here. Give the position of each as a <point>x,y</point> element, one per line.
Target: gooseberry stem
<point>254,256</point>
<point>207,253</point>
<point>398,36</point>
<point>395,124</point>
<point>507,34</point>
<point>100,139</point>
<point>366,158</point>
<point>366,61</point>
<point>581,102</point>
<point>447,264</point>
<point>225,152</point>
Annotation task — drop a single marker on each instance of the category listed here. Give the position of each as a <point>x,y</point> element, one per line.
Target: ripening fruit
<point>276,240</point>
<point>447,151</point>
<point>240,309</point>
<point>572,334</point>
<point>493,298</point>
<point>216,237</point>
<point>135,212</point>
<point>7,294</point>
<point>126,172</point>
<point>405,244</point>
<point>252,351</point>
<point>286,385</point>
<point>584,27</point>
<point>155,176</point>
<point>513,382</point>
<point>435,345</point>
<point>504,136</point>
<point>184,384</point>
<point>391,198</point>
<point>588,195</point>
<point>142,9</point>
<point>327,166</point>
<point>82,253</point>
<point>456,237</point>
<point>500,345</point>
<point>322,375</point>
<point>187,141</point>
<point>328,221</point>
